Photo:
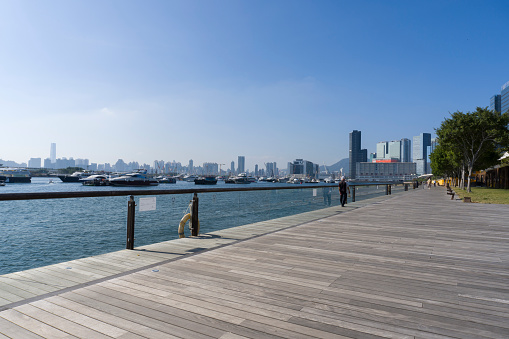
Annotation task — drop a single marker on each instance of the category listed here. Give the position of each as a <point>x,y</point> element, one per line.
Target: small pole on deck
<point>194,216</point>
<point>353,194</point>
<point>130,223</point>
<point>386,189</point>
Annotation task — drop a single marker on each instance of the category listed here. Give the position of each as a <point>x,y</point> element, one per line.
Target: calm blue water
<point>42,232</point>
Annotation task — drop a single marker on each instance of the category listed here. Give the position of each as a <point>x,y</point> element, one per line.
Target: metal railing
<point>194,191</point>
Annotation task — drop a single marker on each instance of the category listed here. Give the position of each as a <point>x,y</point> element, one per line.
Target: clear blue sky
<point>211,80</point>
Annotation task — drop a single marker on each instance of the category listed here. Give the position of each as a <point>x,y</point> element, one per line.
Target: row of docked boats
<point>138,178</point>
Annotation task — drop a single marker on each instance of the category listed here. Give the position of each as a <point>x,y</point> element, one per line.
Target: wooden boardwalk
<point>413,265</point>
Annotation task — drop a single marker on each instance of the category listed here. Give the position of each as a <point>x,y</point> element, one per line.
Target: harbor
<point>415,264</point>
<point>87,221</point>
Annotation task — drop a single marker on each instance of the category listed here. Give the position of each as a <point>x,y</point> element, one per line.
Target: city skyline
<point>205,81</point>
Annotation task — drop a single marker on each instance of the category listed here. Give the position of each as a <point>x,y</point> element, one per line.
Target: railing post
<point>130,223</point>
<point>194,216</point>
<point>386,189</point>
<point>390,189</point>
<point>353,194</point>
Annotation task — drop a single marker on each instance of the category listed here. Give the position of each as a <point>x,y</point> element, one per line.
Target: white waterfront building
<point>386,171</point>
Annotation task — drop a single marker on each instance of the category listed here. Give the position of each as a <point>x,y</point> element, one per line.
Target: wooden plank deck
<point>412,265</point>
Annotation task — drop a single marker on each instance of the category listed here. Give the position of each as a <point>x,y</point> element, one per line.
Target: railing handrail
<point>119,193</point>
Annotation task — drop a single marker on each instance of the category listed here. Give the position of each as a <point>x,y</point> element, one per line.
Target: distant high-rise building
<point>397,149</point>
<point>256,170</point>
<point>356,154</point>
<point>495,103</point>
<point>159,166</point>
<point>301,168</point>
<point>385,170</point>
<point>64,163</point>
<point>34,163</point>
<point>232,167</point>
<point>394,150</point>
<point>241,163</point>
<point>406,145</point>
<point>83,163</point>
<point>48,163</point>
<point>53,153</point>
<point>120,166</point>
<point>271,169</point>
<point>210,168</point>
<point>190,167</point>
<point>504,98</point>
<point>420,152</point>
<point>382,149</point>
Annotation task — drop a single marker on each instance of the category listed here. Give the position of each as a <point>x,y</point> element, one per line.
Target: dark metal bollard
<point>130,223</point>
<point>194,217</point>
<point>386,189</point>
<point>390,189</point>
<point>353,194</point>
<point>406,187</point>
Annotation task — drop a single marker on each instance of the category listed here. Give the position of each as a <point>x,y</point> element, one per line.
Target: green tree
<point>474,138</point>
<point>444,162</point>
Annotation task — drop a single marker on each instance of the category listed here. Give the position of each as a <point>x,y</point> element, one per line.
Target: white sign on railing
<point>147,204</point>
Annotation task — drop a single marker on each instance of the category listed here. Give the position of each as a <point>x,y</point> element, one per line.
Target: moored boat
<point>166,180</point>
<point>96,180</point>
<point>134,179</point>
<point>242,179</point>
<point>75,177</point>
<point>205,180</point>
<point>15,175</point>
<point>189,178</point>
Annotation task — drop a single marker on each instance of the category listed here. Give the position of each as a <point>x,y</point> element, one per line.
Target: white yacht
<point>134,179</point>
<point>190,177</point>
<point>76,176</point>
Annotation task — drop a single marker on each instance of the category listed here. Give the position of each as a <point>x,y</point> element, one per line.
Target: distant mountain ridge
<point>341,164</point>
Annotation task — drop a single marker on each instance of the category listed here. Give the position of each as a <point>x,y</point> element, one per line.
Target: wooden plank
<point>78,318</point>
<point>11,330</point>
<point>33,325</point>
<point>130,312</point>
<point>108,318</point>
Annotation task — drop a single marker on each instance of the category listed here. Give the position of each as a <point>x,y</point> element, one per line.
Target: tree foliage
<point>443,162</point>
<point>470,141</point>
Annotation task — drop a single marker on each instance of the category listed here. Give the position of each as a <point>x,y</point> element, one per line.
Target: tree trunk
<point>462,183</point>
<point>470,167</point>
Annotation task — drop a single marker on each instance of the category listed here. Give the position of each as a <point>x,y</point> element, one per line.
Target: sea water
<point>35,233</point>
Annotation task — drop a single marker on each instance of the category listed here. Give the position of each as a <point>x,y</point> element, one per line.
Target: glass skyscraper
<point>420,152</point>
<point>356,154</point>
<point>495,104</point>
<point>242,164</point>
<point>504,98</point>
<point>53,153</point>
<point>406,144</point>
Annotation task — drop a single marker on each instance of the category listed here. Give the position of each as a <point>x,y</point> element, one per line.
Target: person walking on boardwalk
<point>343,188</point>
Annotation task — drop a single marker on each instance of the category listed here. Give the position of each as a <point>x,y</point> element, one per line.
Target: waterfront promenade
<point>412,265</point>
